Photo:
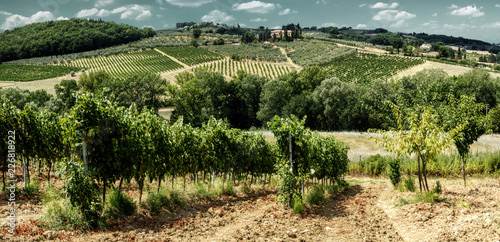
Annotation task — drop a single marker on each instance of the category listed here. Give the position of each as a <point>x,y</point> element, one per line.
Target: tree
<point>194,43</point>
<point>275,95</point>
<point>197,33</point>
<point>92,82</point>
<point>66,90</point>
<point>248,37</point>
<point>418,132</point>
<point>465,121</point>
<point>397,42</point>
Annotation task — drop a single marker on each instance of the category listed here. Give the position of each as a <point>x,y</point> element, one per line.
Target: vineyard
<point>123,65</point>
<point>260,52</point>
<point>190,55</point>
<point>307,53</point>
<point>364,67</point>
<point>12,72</point>
<point>229,68</point>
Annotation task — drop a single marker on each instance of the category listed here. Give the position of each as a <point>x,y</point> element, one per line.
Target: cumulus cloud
<point>258,20</point>
<point>459,26</point>
<point>277,27</point>
<point>62,18</point>
<point>497,5</point>
<point>381,5</point>
<point>363,5</point>
<point>329,25</point>
<point>5,13</point>
<point>431,24</point>
<point>16,20</point>
<point>361,26</point>
<point>217,16</point>
<point>134,11</point>
<point>495,25</point>
<point>470,10</point>
<point>395,17</point>
<point>453,6</point>
<point>287,11</point>
<point>189,3</point>
<point>324,2</point>
<point>255,7</point>
<point>434,14</point>
<point>102,3</point>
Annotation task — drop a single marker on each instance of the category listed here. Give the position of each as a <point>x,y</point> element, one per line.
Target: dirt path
<point>289,60</point>
<point>171,57</point>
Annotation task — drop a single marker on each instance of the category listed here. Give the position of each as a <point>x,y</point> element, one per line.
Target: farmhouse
<point>280,33</point>
<point>426,47</point>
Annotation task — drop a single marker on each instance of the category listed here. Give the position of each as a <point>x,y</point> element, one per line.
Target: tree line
<point>66,37</point>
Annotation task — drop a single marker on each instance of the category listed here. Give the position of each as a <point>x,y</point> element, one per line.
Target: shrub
<point>51,194</point>
<point>120,204</point>
<point>297,205</point>
<point>428,197</point>
<point>155,202</point>
<point>60,214</point>
<point>201,192</point>
<point>315,196</point>
<point>394,172</point>
<point>410,184</point>
<point>31,188</point>
<point>437,189</point>
<point>177,199</point>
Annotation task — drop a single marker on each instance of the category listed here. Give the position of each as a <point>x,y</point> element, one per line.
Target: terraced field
<point>229,67</point>
<point>190,55</point>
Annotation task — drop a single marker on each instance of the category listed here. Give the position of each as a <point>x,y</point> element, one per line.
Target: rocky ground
<point>368,210</point>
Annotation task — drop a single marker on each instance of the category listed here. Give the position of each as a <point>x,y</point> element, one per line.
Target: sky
<point>479,19</point>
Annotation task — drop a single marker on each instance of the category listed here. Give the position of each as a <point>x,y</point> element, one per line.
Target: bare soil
<point>368,210</point>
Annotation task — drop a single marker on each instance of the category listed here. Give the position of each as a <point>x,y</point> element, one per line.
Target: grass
<point>11,72</point>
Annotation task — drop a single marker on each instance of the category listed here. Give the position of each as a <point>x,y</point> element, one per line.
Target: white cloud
<point>148,26</point>
<point>324,2</point>
<point>5,13</point>
<point>17,20</point>
<point>62,18</point>
<point>431,24</point>
<point>397,18</point>
<point>459,26</point>
<point>243,25</point>
<point>165,26</point>
<point>361,26</point>
<point>277,27</point>
<point>217,16</point>
<point>102,3</point>
<point>470,10</point>
<point>362,5</point>
<point>453,6</point>
<point>254,7</point>
<point>87,13</point>
<point>329,25</point>
<point>189,3</point>
<point>287,11</point>
<point>381,5</point>
<point>495,25</point>
<point>258,20</point>
<point>136,12</point>
<point>497,5</point>
<point>434,14</point>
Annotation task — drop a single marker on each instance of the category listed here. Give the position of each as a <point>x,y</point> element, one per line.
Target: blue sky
<point>478,19</point>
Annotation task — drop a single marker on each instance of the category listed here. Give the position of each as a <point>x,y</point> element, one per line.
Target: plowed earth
<point>368,210</point>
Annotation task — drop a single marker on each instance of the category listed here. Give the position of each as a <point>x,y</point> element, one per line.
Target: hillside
<point>64,37</point>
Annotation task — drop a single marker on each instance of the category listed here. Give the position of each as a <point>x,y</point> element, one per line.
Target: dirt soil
<point>368,210</point>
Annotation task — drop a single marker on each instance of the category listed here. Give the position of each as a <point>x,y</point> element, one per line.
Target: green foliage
<point>63,37</point>
<point>62,215</point>
<point>197,33</point>
<point>66,90</point>
<point>156,201</point>
<point>201,192</point>
<point>120,204</point>
<point>275,95</point>
<point>22,73</point>
<point>297,205</point>
<point>315,195</point>
<point>493,119</point>
<point>32,188</point>
<point>437,189</point>
<point>394,172</point>
<point>462,204</point>
<point>314,52</point>
<point>51,194</point>
<point>426,196</point>
<point>261,52</point>
<point>409,184</point>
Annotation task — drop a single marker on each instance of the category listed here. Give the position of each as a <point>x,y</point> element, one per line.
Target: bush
<point>315,196</point>
<point>155,202</point>
<point>428,197</point>
<point>176,199</point>
<point>201,192</point>
<point>51,194</point>
<point>394,172</point>
<point>31,188</point>
<point>297,205</point>
<point>60,214</point>
<point>120,204</point>
<point>437,189</point>
<point>410,184</point>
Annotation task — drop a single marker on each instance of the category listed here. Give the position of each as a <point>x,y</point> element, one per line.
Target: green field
<point>10,72</point>
<point>190,55</point>
<point>364,67</point>
<point>127,64</point>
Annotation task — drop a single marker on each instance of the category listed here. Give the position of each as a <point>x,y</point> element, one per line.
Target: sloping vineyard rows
<point>261,52</point>
<point>123,65</point>
<point>229,67</point>
<point>13,72</point>
<point>123,143</point>
<point>313,52</point>
<point>364,67</point>
<point>345,42</point>
<point>190,55</point>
